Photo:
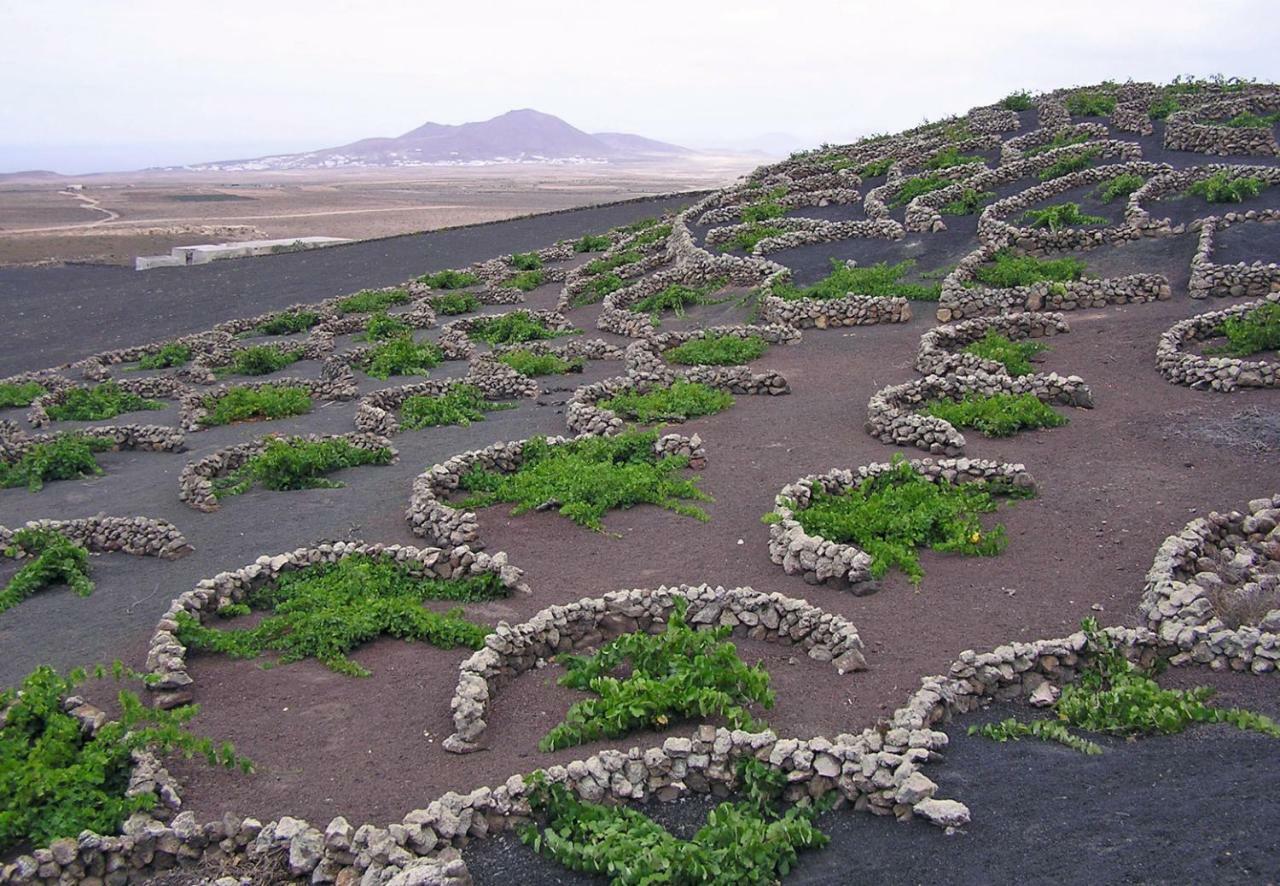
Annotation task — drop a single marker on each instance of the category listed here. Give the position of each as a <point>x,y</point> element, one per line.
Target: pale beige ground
<point>117,217</point>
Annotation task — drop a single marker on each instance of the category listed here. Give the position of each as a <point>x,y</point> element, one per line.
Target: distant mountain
<point>524,136</point>
<point>30,175</point>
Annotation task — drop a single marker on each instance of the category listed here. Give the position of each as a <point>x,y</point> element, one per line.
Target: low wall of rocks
<point>823,231</point>
<point>98,367</point>
<point>1188,597</point>
<point>1185,131</point>
<point>941,348</point>
<point>151,387</point>
<point>617,317</point>
<point>455,339</point>
<point>147,438</point>
<point>1177,181</point>
<point>192,409</point>
<point>773,333</point>
<point>1182,367</point>
<point>1239,280</point>
<point>847,566</point>
<point>141,536</point>
<point>1016,148</point>
<point>816,313</point>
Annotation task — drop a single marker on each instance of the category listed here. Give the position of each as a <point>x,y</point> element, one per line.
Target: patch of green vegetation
<point>1017,101</point>
<point>1223,187</point>
<point>105,400</point>
<point>168,356</point>
<point>718,350</point>
<point>677,297</point>
<point>68,457</point>
<point>449,279</point>
<point>368,300</point>
<point>876,168</point>
<point>289,464</point>
<point>1061,140</point>
<point>20,394</point>
<point>637,226</point>
<point>1008,269</point>
<point>597,290</point>
<point>679,401</point>
<point>968,203</point>
<point>749,843</point>
<point>259,360</point>
<point>57,561</point>
<point>459,405</point>
<point>1250,120</point>
<point>382,326</point>
<point>1090,104</point>
<point>1061,215</point>
<point>949,157</point>
<point>675,675</point>
<point>881,280</point>
<point>526,261</point>
<point>525,281</point>
<point>287,323</point>
<point>58,781</point>
<point>892,514</point>
<point>249,404</point>
<point>592,243</point>
<point>749,235</point>
<point>402,356</point>
<point>996,415</point>
<point>455,303</point>
<point>529,363</point>
<point>1163,106</point>
<point>1069,164</point>
<point>765,207</point>
<point>1015,356</point>
<point>598,266</point>
<point>1250,333</point>
<point>327,610</point>
<point>652,235</point>
<point>1119,187</point>
<point>513,328</point>
<point>1116,697</point>
<point>586,477</point>
<point>917,185</point>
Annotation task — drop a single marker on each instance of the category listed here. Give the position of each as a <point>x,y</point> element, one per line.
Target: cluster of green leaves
<point>592,243</point>
<point>949,157</point>
<point>1116,697</point>
<point>287,323</point>
<point>749,235</point>
<point>459,405</point>
<point>247,404</point>
<point>259,360</point>
<point>917,185</point>
<point>526,261</point>
<point>678,401</point>
<point>13,394</point>
<point>1250,333</point>
<point>56,781</point>
<point>876,168</point>
<point>368,300</point>
<point>718,350</point>
<point>1189,84</point>
<point>513,328</point>
<point>402,356</point>
<point>1061,215</point>
<point>449,279</point>
<point>675,675</point>
<point>1017,101</point>
<point>1163,106</point>
<point>881,279</point>
<point>968,203</point>
<point>1223,187</point>
<point>105,400</point>
<point>893,513</point>
<point>1061,140</point>
<point>1090,104</point>
<point>1015,356</point>
<point>382,326</point>
<point>596,290</point>
<point>288,464</point>
<point>526,281</point>
<point>636,227</point>
<point>996,415</point>
<point>599,266</point>
<point>1069,164</point>
<point>765,207</point>
<point>529,363</point>
<point>677,297</point>
<point>1121,186</point>
<point>168,356</point>
<point>651,234</point>
<point>1008,269</point>
<point>586,477</point>
<point>326,610</point>
<point>57,560</point>
<point>749,843</point>
<point>67,457</point>
<point>1250,120</point>
<point>455,303</point>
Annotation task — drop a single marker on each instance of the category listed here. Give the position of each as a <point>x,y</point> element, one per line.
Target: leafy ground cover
<point>678,401</point>
<point>105,400</point>
<point>250,404</point>
<point>382,326</point>
<point>1061,140</point>
<point>996,415</point>
<point>1250,120</point>
<point>1071,163</point>
<point>327,610</point>
<point>513,328</point>
<point>526,261</point>
<point>1119,187</point>
<point>1224,187</point>
<point>460,405</point>
<point>765,207</point>
<point>881,279</point>
<point>1061,215</point>
<point>677,297</point>
<point>450,279</point>
<point>917,185</point>
<point>455,303</point>
<point>1090,104</point>
<point>529,363</point>
<point>287,323</point>
<point>591,243</point>
<point>585,478</point>
<point>718,350</point>
<point>526,281</point>
<point>288,464</point>
<point>1251,333</point>
<point>402,356</point>
<point>1017,101</point>
<point>968,203</point>
<point>55,560</point>
<point>949,157</point>
<point>19,394</point>
<point>67,457</point>
<point>1015,356</point>
<point>259,360</point>
<point>1008,269</point>
<point>368,300</point>
<point>749,235</point>
<point>876,168</point>
<point>168,356</point>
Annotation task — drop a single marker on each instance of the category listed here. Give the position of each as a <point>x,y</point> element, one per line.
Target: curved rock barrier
<point>141,536</point>
<point>14,442</point>
<point>456,342</point>
<point>340,386</point>
<point>1188,131</point>
<point>152,387</point>
<point>376,413</point>
<point>1239,280</point>
<point>1182,367</point>
<point>942,348</point>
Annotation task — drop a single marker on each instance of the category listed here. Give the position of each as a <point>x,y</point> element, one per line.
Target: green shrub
<point>876,168</point>
<point>247,404</point>
<point>1015,356</point>
<point>513,328</point>
<point>1115,697</point>
<point>1090,104</point>
<point>1008,269</point>
<point>996,415</point>
<point>968,203</point>
<point>368,300</point>
<point>287,323</point>
<point>298,464</point>
<point>526,261</point>
<point>1061,140</point>
<point>679,401</point>
<point>57,781</point>
<point>592,243</point>
<point>1017,101</point>
<point>12,394</point>
<point>168,356</point>
<point>917,185</point>
<point>1059,216</point>
<point>326,610</point>
<point>597,290</point>
<point>1250,120</point>
<point>749,235</point>
<point>949,157</point>
<point>402,356</point>
<point>1250,333</point>
<point>106,400</point>
<point>67,457</point>
<point>525,281</point>
<point>675,675</point>
<point>677,297</point>
<point>259,360</point>
<point>1223,187</point>
<point>1067,165</point>
<point>596,267</point>
<point>459,405</point>
<point>881,280</point>
<point>449,279</point>
<point>57,560</point>
<point>766,207</point>
<point>893,513</point>
<point>652,235</point>
<point>637,226</point>
<point>455,303</point>
<point>382,326</point>
<point>1162,107</point>
<point>1121,186</point>
<point>588,476</point>
<point>718,350</point>
<point>529,363</point>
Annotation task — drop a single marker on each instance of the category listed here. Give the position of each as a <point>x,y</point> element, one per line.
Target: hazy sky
<point>96,84</point>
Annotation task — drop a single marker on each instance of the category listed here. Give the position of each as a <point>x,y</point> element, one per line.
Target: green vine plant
<point>106,400</point>
<point>513,328</point>
<point>401,355</point>
<point>1008,269</point>
<point>251,404</point>
<point>290,464</point>
<point>326,610</point>
<point>679,674</point>
<point>57,781</point>
<point>453,303</point>
<point>528,363</point>
<point>167,357</point>
<point>449,279</point>
<point>19,394</point>
<point>996,415</point>
<point>679,401</point>
<point>592,243</point>
<point>56,560</point>
<point>1253,332</point>
<point>1061,215</point>
<point>1014,356</point>
<point>367,301</point>
<point>67,457</point>
<point>381,326</point>
<point>286,323</point>
<point>1223,187</point>
<point>718,350</point>
<point>1069,164</point>
<point>259,360</point>
<point>1116,697</point>
<point>677,297</point>
<point>880,280</point>
<point>460,405</point>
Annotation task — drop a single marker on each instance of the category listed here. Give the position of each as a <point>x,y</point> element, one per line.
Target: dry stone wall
<point>141,536</point>
<point>1216,373</point>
